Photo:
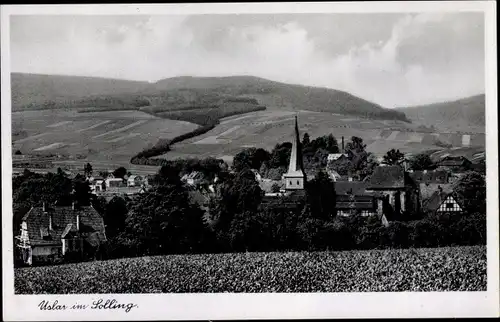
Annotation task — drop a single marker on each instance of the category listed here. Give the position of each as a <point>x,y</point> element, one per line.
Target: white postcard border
<point>262,306</point>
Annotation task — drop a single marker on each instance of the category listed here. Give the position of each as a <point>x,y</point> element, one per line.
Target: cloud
<point>391,59</point>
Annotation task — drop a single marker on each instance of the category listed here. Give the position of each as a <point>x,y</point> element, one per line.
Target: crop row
<point>440,269</point>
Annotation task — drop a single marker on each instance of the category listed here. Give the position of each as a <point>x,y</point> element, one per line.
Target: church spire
<point>295,176</point>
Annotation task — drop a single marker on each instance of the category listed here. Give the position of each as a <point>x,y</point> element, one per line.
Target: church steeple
<point>295,177</point>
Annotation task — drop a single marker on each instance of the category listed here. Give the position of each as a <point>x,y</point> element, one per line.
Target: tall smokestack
<point>43,207</point>
<point>50,222</point>
<point>342,145</point>
<point>78,222</point>
<point>73,205</point>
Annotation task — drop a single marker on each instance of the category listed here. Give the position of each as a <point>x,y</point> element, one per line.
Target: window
<point>290,182</point>
<point>449,205</point>
<point>298,182</point>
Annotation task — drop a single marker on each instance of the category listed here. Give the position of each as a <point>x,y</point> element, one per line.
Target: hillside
<point>276,95</point>
<point>30,90</point>
<point>465,114</point>
<point>184,93</point>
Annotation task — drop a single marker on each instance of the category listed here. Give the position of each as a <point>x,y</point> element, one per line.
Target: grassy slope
<point>460,115</point>
<point>437,269</point>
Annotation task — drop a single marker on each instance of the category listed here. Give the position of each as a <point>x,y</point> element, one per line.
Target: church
<point>294,179</point>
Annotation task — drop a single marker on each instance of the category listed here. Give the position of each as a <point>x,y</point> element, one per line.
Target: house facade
<point>395,191</point>
<point>439,199</point>
<point>352,198</point>
<point>50,233</point>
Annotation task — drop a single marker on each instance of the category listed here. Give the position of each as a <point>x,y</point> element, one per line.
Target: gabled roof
<point>193,175</point>
<point>454,161</point>
<point>433,195</point>
<point>335,156</point>
<point>63,222</point>
<point>388,177</point>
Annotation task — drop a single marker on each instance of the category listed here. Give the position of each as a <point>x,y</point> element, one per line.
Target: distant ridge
<point>462,114</point>
<point>30,90</point>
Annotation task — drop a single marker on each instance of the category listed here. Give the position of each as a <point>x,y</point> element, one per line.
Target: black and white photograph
<point>237,151</point>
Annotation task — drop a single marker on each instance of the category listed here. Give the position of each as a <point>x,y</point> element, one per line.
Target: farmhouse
<point>439,199</point>
<point>135,181</point>
<point>49,233</point>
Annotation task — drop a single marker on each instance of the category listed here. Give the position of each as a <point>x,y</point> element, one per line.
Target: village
<point>392,192</point>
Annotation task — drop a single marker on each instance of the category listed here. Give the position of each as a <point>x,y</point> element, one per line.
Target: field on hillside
<point>267,128</point>
<point>466,114</point>
<point>436,269</point>
<point>105,138</point>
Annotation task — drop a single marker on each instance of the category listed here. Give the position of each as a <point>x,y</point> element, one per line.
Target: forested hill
<point>31,90</point>
<point>463,114</point>
<point>47,91</point>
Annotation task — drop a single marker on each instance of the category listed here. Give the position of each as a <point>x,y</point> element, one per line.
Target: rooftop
<point>64,221</point>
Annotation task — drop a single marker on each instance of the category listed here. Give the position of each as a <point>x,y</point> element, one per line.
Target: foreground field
<point>440,269</point>
<point>267,128</point>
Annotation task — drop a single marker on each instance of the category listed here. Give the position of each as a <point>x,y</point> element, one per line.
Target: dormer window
<point>44,233</point>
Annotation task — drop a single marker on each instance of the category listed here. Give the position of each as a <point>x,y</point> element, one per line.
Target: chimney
<point>50,222</point>
<point>73,205</point>
<point>78,222</point>
<point>43,207</point>
<point>342,145</point>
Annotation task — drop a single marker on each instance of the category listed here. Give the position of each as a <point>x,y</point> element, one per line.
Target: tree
<point>422,161</point>
<point>241,194</point>
<point>120,172</point>
<point>164,221</point>
<point>321,196</point>
<point>87,170</point>
<point>306,140</point>
<point>251,158</point>
<point>471,189</point>
<point>393,157</point>
<point>280,156</point>
<point>82,193</point>
<point>115,214</point>
<point>356,145</point>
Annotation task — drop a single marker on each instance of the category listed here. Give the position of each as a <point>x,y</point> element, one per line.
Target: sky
<point>390,59</point>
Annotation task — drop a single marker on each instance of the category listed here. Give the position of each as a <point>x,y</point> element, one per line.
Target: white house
<point>193,178</point>
<point>135,181</point>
